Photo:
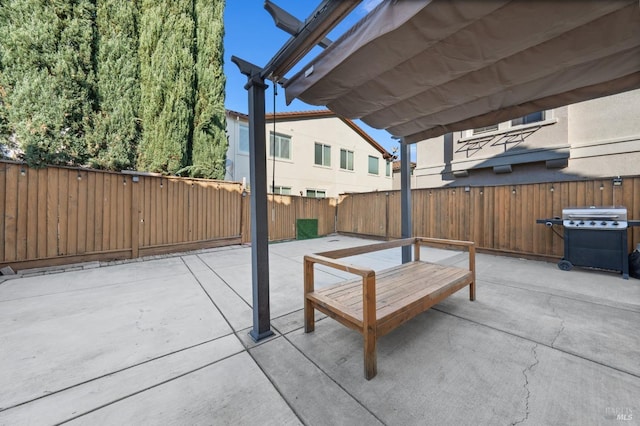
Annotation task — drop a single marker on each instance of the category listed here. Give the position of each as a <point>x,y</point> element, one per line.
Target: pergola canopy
<point>422,68</point>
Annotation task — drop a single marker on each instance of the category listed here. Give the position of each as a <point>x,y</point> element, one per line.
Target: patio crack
<point>562,322</point>
<point>526,385</point>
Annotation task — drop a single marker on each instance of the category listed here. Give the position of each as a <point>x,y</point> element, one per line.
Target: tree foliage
<point>48,78</point>
<point>209,133</point>
<point>167,84</point>
<point>115,84</point>
<point>116,130</point>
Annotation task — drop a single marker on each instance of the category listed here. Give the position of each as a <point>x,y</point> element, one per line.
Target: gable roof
<point>323,113</point>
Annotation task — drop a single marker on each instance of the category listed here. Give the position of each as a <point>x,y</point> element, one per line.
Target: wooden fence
<point>54,216</point>
<point>499,218</point>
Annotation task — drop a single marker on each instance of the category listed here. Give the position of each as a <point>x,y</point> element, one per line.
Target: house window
<point>373,165</point>
<point>243,142</point>
<point>316,193</point>
<point>530,118</point>
<point>485,129</point>
<point>346,159</point>
<point>282,146</point>
<point>282,190</point>
<point>323,155</point>
<point>388,169</point>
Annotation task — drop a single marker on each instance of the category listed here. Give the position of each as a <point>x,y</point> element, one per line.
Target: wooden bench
<point>377,303</point>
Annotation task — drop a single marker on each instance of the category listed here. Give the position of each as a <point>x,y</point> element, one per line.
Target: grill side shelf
<point>554,221</point>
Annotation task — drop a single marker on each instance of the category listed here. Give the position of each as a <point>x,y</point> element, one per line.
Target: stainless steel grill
<point>601,218</point>
<point>594,237</point>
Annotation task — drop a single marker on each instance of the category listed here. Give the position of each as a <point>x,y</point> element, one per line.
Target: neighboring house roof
<point>323,113</point>
<point>237,114</point>
<point>396,165</point>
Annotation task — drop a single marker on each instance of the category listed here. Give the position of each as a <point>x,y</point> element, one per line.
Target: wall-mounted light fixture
<point>551,189</point>
<point>23,172</point>
<point>79,177</point>
<point>467,189</point>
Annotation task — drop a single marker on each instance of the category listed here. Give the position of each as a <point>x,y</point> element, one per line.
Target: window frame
<point>241,128</point>
<point>377,160</point>
<point>279,137</point>
<point>278,190</point>
<point>325,153</point>
<point>346,159</point>
<point>534,117</point>
<point>315,193</point>
<point>485,129</point>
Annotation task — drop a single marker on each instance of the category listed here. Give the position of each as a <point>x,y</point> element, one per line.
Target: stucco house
<point>596,138</point>
<point>316,154</point>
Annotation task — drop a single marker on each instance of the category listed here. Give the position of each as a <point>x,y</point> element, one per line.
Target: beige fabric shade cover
<point>422,68</point>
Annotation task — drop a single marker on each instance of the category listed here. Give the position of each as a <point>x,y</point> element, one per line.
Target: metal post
<point>259,216</point>
<point>405,197</point>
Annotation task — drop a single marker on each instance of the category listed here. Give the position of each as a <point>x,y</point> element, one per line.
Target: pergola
<point>423,68</point>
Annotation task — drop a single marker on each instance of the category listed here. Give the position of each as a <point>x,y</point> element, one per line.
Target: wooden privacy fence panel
<point>178,211</point>
<point>500,218</point>
<point>60,215</point>
<point>56,212</point>
<point>365,214</point>
<point>284,210</point>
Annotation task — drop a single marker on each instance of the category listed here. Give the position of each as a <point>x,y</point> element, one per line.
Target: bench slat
<point>345,314</point>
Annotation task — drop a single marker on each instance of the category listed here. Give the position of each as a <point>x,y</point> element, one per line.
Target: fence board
<point>21,218</point>
<point>41,226</point>
<point>83,201</point>
<point>31,238</point>
<point>3,193</point>
<point>72,214</point>
<point>127,213</point>
<point>11,213</point>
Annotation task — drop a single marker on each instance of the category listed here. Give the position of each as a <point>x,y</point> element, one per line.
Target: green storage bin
<point>306,229</point>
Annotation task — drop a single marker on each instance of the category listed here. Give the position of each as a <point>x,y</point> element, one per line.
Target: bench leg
<point>309,318</point>
<point>370,357</point>
<point>472,291</point>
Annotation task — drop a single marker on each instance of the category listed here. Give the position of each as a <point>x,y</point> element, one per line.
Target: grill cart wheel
<point>565,265</point>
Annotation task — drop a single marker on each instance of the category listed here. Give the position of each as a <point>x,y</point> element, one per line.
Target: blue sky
<point>250,34</point>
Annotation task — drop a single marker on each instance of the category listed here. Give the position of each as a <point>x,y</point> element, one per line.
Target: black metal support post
<point>259,210</point>
<point>326,16</point>
<point>405,197</point>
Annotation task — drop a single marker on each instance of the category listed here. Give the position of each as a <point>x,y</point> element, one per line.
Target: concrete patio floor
<point>165,341</point>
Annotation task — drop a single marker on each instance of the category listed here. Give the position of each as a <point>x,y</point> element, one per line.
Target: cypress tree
<point>210,143</point>
<point>116,131</point>
<point>48,78</point>
<point>5,128</point>
<point>167,84</point>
